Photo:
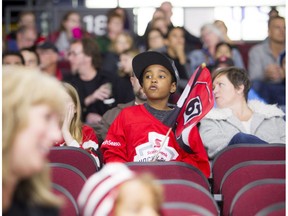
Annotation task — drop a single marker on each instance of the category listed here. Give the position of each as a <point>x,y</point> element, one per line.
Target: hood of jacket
<point>266,110</point>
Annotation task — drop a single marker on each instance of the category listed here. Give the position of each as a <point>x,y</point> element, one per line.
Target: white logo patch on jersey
<point>146,151</point>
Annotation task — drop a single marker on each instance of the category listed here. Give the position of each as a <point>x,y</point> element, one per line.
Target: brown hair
<point>90,48</point>
<point>237,76</point>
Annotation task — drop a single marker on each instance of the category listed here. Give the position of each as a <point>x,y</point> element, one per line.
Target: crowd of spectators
<point>101,88</point>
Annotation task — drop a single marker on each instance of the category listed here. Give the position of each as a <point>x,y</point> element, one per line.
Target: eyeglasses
<point>73,53</point>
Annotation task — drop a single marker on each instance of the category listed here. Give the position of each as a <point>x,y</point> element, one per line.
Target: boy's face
<point>157,82</point>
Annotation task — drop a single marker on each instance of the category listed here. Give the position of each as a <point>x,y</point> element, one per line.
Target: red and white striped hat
<point>99,193</point>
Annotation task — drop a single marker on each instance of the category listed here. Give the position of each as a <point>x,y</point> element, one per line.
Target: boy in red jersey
<point>139,132</point>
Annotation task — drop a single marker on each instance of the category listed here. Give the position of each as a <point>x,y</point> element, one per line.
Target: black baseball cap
<point>145,59</point>
<point>47,45</point>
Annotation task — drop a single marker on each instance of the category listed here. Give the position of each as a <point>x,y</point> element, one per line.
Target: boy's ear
<point>173,88</point>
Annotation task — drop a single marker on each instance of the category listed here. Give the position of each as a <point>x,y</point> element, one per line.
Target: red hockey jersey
<point>136,135</point>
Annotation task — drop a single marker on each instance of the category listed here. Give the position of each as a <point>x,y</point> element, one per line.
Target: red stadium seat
<point>257,195</point>
<point>277,209</point>
<point>70,206</point>
<point>76,157</point>
<point>186,191</point>
<point>171,170</point>
<point>244,173</point>
<point>68,177</point>
<point>238,153</point>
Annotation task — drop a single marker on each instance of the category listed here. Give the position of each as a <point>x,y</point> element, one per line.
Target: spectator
<point>111,114</point>
<point>156,40</point>
<point>70,29</point>
<point>235,120</point>
<point>74,132</point>
<point>224,31</point>
<point>275,93</point>
<point>112,192</point>
<point>167,7</point>
<point>26,37</point>
<point>175,44</point>
<point>48,54</point>
<point>263,57</point>
<point>115,26</point>
<point>12,58</point>
<point>28,19</point>
<point>137,134</point>
<point>191,42</point>
<point>31,57</point>
<point>122,42</point>
<point>158,13</point>
<point>223,49</point>
<point>89,81</point>
<point>160,23</point>
<point>121,84</point>
<point>123,12</point>
<point>31,112</point>
<point>273,12</point>
<point>211,36</point>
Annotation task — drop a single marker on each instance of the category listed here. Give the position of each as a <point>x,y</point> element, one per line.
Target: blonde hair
<point>23,88</point>
<point>76,124</point>
<point>156,190</point>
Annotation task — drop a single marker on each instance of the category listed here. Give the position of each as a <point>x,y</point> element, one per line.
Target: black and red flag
<point>194,103</point>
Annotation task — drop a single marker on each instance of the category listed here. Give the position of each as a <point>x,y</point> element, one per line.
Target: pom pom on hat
<point>98,195</point>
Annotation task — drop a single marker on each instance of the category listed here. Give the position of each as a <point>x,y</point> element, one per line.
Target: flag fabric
<point>194,103</point>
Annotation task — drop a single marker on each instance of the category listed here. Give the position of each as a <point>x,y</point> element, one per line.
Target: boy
<point>138,133</point>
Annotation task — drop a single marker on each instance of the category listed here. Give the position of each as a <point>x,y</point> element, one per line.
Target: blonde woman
<point>74,132</point>
<point>31,111</point>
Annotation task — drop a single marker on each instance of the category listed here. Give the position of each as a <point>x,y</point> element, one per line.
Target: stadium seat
<point>171,170</point>
<point>74,156</point>
<point>244,173</point>
<point>70,206</point>
<point>234,154</point>
<point>181,208</point>
<point>68,177</point>
<point>176,190</point>
<point>257,195</point>
<point>277,209</point>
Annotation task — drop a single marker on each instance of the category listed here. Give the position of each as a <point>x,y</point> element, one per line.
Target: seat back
<point>257,195</point>
<point>68,177</point>
<point>171,170</point>
<point>176,190</point>
<point>70,206</point>
<point>243,173</point>
<point>276,209</point>
<point>237,153</point>
<point>181,208</point>
<point>74,156</point>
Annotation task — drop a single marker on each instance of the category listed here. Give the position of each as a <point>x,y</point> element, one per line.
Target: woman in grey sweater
<point>235,120</point>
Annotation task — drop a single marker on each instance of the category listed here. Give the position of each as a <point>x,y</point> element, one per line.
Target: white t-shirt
<point>247,125</point>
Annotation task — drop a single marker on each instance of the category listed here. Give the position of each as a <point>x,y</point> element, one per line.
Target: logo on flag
<point>194,103</point>
<point>193,108</point>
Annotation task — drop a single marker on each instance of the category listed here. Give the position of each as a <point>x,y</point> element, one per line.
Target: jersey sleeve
<point>114,147</point>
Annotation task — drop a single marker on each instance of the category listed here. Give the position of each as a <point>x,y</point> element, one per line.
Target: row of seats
<point>240,173</point>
